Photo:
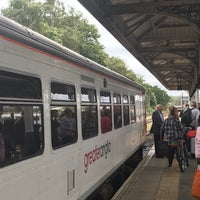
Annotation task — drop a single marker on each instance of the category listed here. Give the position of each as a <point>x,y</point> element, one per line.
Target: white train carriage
<point>54,142</point>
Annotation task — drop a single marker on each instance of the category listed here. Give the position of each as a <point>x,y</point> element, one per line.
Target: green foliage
<point>116,64</point>
<point>25,12</point>
<point>161,96</point>
<point>151,101</point>
<point>176,101</point>
<point>119,66</point>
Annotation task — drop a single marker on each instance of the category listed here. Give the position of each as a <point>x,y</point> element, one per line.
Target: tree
<point>116,64</point>
<point>25,12</point>
<point>161,96</point>
<point>176,101</point>
<point>151,101</point>
<point>119,66</point>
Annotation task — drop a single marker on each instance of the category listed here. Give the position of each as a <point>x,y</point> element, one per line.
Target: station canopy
<point>163,35</point>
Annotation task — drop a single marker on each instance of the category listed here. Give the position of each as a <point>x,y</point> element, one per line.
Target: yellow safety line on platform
<point>168,187</point>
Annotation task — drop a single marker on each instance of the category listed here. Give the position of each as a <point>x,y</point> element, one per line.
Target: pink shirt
<point>197,143</point>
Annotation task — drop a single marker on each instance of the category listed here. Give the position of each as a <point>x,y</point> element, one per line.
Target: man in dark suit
<point>157,120</point>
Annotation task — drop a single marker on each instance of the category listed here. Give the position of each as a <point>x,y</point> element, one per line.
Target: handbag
<point>174,143</point>
<point>196,185</point>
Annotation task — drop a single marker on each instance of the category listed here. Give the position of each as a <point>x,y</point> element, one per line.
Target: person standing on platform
<point>157,121</point>
<point>195,115</point>
<point>197,145</point>
<point>173,130</point>
<point>186,107</point>
<point>193,125</point>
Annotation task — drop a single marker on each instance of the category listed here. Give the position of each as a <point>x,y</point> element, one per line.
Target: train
<point>54,142</point>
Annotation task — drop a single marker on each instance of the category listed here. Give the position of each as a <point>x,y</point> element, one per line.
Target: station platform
<point>153,180</point>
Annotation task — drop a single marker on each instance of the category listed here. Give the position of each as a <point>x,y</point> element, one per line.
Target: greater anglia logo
<point>94,155</point>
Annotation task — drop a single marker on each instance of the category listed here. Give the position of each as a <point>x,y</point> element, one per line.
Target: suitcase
<point>162,148</point>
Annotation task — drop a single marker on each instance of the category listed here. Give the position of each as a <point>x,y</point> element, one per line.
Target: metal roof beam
<point>145,7</point>
<point>167,49</point>
<point>136,25</point>
<point>149,30</point>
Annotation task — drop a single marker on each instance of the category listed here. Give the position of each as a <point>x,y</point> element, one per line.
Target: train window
<point>88,95</point>
<point>63,125</point>
<point>117,111</point>
<point>132,109</point>
<point>19,86</point>
<point>22,129</point>
<point>125,99</point>
<point>105,97</point>
<point>89,113</point>
<point>62,92</point>
<point>106,112</point>
<point>117,98</point>
<point>63,115</point>
<point>126,110</point>
<point>21,122</point>
<point>132,100</point>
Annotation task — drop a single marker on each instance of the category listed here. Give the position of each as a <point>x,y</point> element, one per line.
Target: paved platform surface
<point>153,180</point>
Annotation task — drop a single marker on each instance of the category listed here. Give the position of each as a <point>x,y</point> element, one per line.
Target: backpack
<point>186,117</point>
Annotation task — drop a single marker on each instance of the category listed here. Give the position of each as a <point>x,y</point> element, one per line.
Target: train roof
<point>24,35</point>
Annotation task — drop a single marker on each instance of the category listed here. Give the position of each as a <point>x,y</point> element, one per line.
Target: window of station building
<point>106,112</point>
<point>132,109</point>
<point>63,115</point>
<point>117,111</point>
<point>126,110</point>
<point>89,117</point>
<point>21,118</point>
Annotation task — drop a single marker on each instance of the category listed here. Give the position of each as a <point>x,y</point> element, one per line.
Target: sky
<point>113,47</point>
